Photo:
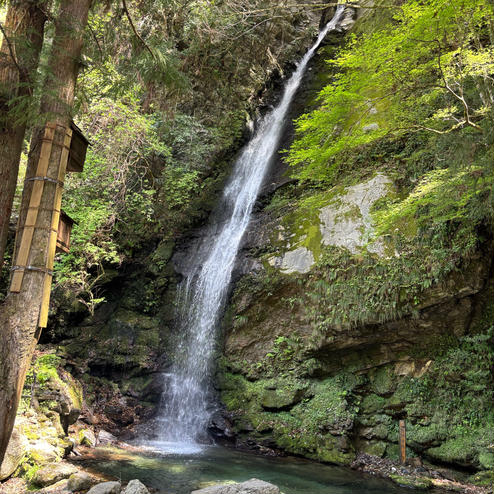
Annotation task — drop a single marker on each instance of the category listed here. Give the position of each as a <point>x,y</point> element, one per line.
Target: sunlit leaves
<point>430,69</point>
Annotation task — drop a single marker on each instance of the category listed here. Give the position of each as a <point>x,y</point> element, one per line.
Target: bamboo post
<point>52,242</point>
<point>403,442</point>
<point>32,213</point>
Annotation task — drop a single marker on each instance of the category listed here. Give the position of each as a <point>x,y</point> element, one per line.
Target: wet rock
<point>106,488</point>
<point>50,474</point>
<point>79,481</point>
<point>220,426</point>
<point>14,454</point>
<point>135,487</point>
<point>252,486</point>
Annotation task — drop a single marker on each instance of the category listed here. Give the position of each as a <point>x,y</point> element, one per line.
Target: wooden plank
<point>34,203</point>
<point>403,442</point>
<point>55,218</point>
<point>45,301</point>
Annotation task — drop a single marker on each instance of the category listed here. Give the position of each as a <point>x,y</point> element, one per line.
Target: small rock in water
<point>79,481</point>
<point>252,486</point>
<point>135,487</point>
<point>106,488</point>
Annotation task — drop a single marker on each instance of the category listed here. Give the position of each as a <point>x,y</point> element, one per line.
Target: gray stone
<point>87,438</point>
<point>53,473</point>
<point>79,481</point>
<point>106,488</point>
<point>370,128</point>
<point>252,486</point>
<point>135,487</point>
<point>298,260</point>
<point>14,454</point>
<point>104,437</point>
<point>59,487</point>
<point>347,221</point>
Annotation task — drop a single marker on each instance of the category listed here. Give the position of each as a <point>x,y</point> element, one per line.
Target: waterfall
<point>185,412</point>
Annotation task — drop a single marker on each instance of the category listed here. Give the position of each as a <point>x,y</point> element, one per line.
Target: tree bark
<point>19,57</point>
<point>19,317</point>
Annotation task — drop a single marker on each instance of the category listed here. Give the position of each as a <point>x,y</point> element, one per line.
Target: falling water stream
<point>185,410</point>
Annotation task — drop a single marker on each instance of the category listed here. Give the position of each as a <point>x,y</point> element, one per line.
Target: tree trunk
<point>19,58</point>
<point>19,318</point>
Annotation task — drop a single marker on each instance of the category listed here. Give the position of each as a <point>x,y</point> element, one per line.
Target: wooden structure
<point>73,151</point>
<point>78,149</point>
<point>403,442</point>
<point>63,233</point>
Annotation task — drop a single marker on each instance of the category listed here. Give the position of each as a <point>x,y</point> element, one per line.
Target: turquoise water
<point>180,474</point>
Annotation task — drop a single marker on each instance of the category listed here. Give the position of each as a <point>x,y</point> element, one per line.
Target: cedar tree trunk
<point>19,58</point>
<point>20,311</point>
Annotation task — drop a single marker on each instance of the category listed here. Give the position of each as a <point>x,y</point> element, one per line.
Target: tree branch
<point>131,22</point>
<point>11,49</point>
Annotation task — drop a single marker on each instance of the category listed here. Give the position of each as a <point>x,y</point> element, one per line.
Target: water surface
<point>180,474</point>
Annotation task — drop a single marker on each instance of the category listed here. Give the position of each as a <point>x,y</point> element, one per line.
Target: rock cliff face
<point>333,334</point>
<point>311,367</point>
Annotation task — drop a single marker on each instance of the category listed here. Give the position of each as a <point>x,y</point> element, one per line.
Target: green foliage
<point>344,290</point>
<point>426,70</point>
<point>111,197</point>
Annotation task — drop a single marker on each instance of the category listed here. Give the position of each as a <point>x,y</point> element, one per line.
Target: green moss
<point>421,483</point>
<point>465,449</point>
<point>483,479</point>
<point>383,380</point>
<point>372,404</point>
<point>375,448</point>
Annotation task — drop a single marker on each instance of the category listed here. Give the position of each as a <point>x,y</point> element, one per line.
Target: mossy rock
<point>420,483</point>
<point>52,473</point>
<point>426,436</point>
<point>375,448</point>
<point>483,479</point>
<point>14,455</point>
<point>128,319</point>
<point>383,381</point>
<point>462,450</point>
<point>486,460</point>
<point>87,438</point>
<point>372,404</point>
<point>282,398</point>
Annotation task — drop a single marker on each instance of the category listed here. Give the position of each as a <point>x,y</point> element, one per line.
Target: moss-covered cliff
<point>365,300</point>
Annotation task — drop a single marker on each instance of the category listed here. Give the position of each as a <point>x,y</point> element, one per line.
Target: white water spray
<point>185,412</point>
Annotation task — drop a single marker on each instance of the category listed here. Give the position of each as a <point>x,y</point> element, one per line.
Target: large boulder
<point>252,486</point>
<point>50,474</point>
<point>16,451</point>
<point>106,488</point>
<point>79,481</point>
<point>135,487</point>
<point>62,394</point>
